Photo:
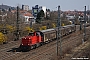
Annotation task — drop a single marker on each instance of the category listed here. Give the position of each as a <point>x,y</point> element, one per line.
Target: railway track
<point>77,51</point>
<point>9,45</point>
<point>49,52</point>
<point>83,45</point>
<point>6,47</point>
<point>38,52</point>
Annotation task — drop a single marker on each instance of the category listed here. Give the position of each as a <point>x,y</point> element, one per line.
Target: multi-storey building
<point>25,7</point>
<point>35,10</point>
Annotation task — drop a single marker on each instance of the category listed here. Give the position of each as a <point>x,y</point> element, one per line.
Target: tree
<point>47,13</point>
<point>40,15</point>
<point>9,9</point>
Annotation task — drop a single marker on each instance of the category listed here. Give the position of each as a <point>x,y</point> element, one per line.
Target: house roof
<point>28,14</point>
<point>13,11</point>
<point>23,12</point>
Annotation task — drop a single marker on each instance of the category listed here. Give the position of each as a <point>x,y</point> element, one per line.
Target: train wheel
<point>31,47</point>
<point>41,43</point>
<point>37,45</point>
<point>34,46</point>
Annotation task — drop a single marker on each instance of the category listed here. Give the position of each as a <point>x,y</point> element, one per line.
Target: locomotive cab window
<point>37,34</point>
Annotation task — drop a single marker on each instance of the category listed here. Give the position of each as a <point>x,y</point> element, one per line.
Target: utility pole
<point>88,14</point>
<point>17,25</point>
<point>84,24</point>
<point>59,30</point>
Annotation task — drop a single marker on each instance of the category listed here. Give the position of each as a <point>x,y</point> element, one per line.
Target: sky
<point>50,4</point>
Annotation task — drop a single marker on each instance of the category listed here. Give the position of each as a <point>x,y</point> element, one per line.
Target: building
<point>6,8</point>
<point>28,18</point>
<point>47,13</point>
<point>35,10</point>
<point>25,7</point>
<point>70,17</point>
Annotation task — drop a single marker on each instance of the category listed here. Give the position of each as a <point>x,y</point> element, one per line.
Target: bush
<point>3,38</point>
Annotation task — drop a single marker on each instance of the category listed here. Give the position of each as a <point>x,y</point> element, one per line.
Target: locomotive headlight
<point>22,44</point>
<point>29,38</point>
<point>28,44</point>
<point>24,38</point>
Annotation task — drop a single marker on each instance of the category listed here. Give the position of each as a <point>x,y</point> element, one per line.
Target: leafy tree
<point>40,15</point>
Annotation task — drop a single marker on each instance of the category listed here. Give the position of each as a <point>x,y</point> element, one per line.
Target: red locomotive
<point>31,41</point>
